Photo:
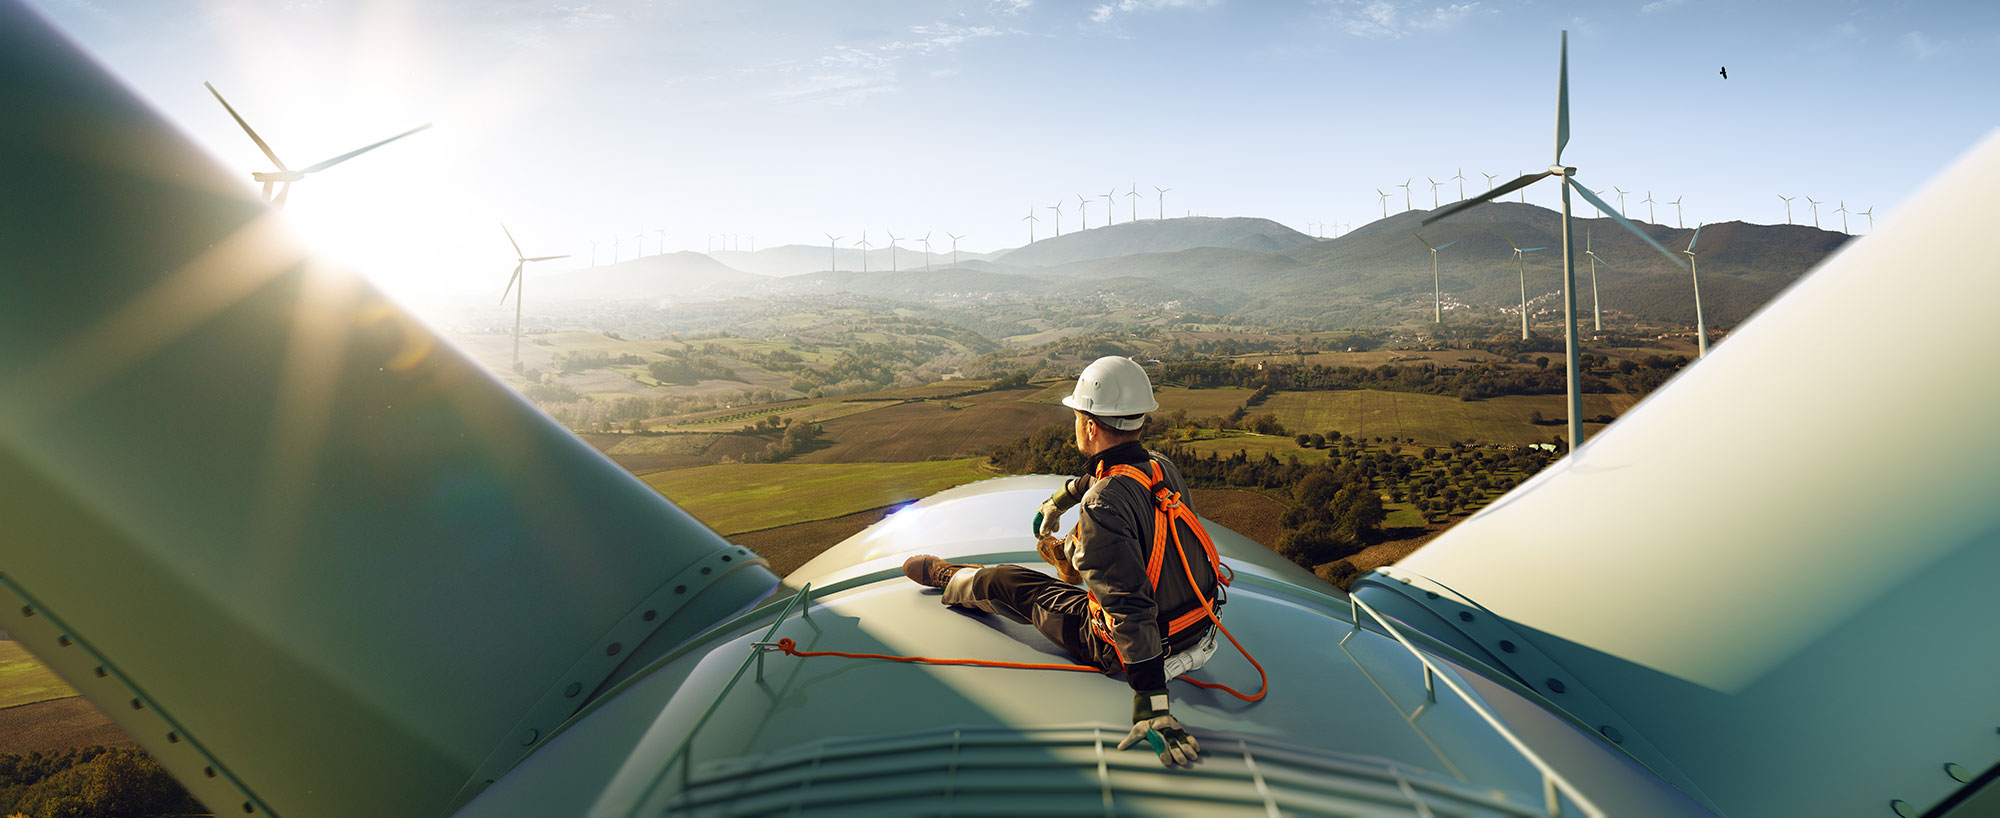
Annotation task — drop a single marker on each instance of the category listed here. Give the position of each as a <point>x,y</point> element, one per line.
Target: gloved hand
<point>1164,733</point>
<point>1048,516</point>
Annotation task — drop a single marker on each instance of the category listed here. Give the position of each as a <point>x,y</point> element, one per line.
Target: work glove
<point>1048,518</point>
<point>1056,553</point>
<point>1160,730</point>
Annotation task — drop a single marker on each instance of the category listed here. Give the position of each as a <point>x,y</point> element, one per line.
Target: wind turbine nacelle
<point>268,177</point>
<point>1562,170</point>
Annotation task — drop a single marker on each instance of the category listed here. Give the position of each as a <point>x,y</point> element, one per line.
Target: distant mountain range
<point>1263,271</point>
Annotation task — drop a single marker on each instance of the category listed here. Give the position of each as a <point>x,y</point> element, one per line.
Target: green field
<point>1201,403</point>
<point>24,680</point>
<point>1257,445</point>
<point>734,498</point>
<point>1433,419</point>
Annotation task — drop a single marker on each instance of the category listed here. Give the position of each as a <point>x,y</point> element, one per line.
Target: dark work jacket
<point>1113,538</point>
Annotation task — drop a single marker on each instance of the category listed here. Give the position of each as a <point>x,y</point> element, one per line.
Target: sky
<point>706,124</point>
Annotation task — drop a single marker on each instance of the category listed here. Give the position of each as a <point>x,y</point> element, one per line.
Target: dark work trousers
<point>1030,597</point>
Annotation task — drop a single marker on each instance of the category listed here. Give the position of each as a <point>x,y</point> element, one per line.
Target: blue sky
<point>786,120</point>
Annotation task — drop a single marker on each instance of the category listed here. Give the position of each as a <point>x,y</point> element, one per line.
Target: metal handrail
<point>1552,781</point>
<point>756,655</point>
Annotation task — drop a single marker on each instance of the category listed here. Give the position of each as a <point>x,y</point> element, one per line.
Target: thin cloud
<point>1009,7</point>
<point>1923,47</point>
<point>1106,12</point>
<point>1658,5</point>
<point>851,74</point>
<point>1394,20</point>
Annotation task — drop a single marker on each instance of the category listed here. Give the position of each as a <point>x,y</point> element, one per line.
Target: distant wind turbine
<point>1843,215</point>
<point>1437,291</point>
<point>285,176</point>
<point>1109,200</point>
<point>954,248</point>
<point>1030,219</point>
<point>1461,184</point>
<point>1815,210</point>
<point>1679,221</point>
<point>832,253</point>
<point>892,250</point>
<point>593,252</point>
<point>616,245</point>
<point>864,245</point>
<point>1700,326</point>
<point>1489,180</point>
<point>1621,199</point>
<point>1788,207</point>
<point>927,252</point>
<point>662,233</point>
<point>1649,208</point>
<point>1524,191</point>
<point>1521,266</point>
<point>1870,213</point>
<point>1596,309</point>
<point>1163,200</point>
<point>1057,207</point>
<point>1134,196</point>
<point>1385,202</point>
<point>1082,213</point>
<point>639,241</point>
<point>522,261</point>
<point>1566,176</point>
<point>1434,192</point>
<point>1406,195</point>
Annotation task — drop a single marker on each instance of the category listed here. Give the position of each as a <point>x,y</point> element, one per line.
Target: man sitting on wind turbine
<point>1145,606</point>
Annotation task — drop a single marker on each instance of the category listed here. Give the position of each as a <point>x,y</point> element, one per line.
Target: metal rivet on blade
<point>1903,808</point>
<point>1958,773</point>
<point>571,691</point>
<point>1612,733</point>
<point>650,616</point>
<point>529,737</point>
<point>1555,685</point>
<point>1465,616</point>
<point>613,649</point>
<point>1506,646</point>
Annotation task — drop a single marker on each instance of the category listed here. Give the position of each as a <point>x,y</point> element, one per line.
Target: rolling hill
<point>682,277</point>
<point>1154,236</point>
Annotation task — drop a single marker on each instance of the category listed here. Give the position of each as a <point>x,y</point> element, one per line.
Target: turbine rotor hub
<point>1559,170</point>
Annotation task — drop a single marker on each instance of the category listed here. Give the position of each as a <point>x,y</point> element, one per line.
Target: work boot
<point>925,569</point>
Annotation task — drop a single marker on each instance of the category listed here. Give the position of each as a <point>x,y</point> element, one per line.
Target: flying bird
<point>1725,72</point>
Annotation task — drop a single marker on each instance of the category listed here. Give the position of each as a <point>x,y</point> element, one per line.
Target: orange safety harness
<point>1170,510</point>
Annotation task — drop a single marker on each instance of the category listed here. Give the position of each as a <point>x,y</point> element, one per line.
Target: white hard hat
<point>1114,389</point>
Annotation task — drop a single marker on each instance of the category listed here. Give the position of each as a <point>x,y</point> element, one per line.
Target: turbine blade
<point>284,189</point>
<point>1495,193</point>
<point>1425,243</point>
<point>1615,216</point>
<point>510,282</point>
<point>1562,99</point>
<point>1446,244</point>
<point>246,128</point>
<point>1532,249</point>
<point>359,151</point>
<point>1697,237</point>
<point>548,258</point>
<point>510,240</point>
<point>1510,239</point>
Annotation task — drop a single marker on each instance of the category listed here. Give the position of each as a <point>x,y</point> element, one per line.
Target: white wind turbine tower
<point>1434,191</point>
<point>1621,199</point>
<point>1596,309</point>
<point>662,234</point>
<point>1843,215</point>
<point>1520,266</point>
<point>1567,176</point>
<point>1057,207</point>
<point>285,176</point>
<point>832,252</point>
<point>864,245</point>
<point>1082,213</point>
<point>617,245</point>
<point>1406,195</point>
<point>1385,202</point>
<point>1788,207</point>
<point>1109,200</point>
<point>522,261</point>
<point>1437,291</point>
<point>1870,213</point>
<point>1163,200</point>
<point>892,250</point>
<point>1461,184</point>
<point>1680,222</point>
<point>1134,196</point>
<point>1489,179</point>
<point>1030,219</point>
<point>927,252</point>
<point>1815,210</point>
<point>1649,208</point>
<point>593,252</point>
<point>1595,209</point>
<point>954,248</point>
<point>639,241</point>
<point>1524,191</point>
<point>1700,326</point>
